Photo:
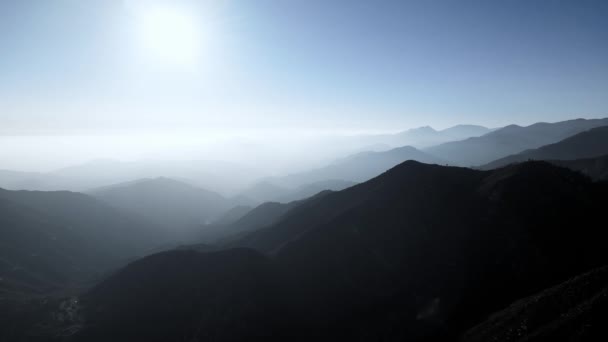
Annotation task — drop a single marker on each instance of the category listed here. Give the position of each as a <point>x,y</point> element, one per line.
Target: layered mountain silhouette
<point>421,137</point>
<point>588,144</point>
<point>53,239</point>
<point>310,190</point>
<point>175,205</point>
<point>233,215</point>
<point>510,140</point>
<point>216,175</point>
<point>264,215</point>
<point>427,136</point>
<point>421,252</point>
<point>596,168</point>
<point>267,191</point>
<point>360,167</point>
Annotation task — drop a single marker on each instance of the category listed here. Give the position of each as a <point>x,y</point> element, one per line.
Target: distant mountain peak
<point>424,129</point>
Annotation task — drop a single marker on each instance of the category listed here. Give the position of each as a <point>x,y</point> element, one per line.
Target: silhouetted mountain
<point>233,215</point>
<point>172,204</point>
<point>575,310</point>
<point>427,136</point>
<point>588,144</point>
<point>422,136</point>
<point>422,252</point>
<point>309,190</point>
<point>216,175</point>
<point>51,239</point>
<point>596,168</point>
<point>438,242</point>
<point>510,140</point>
<point>261,216</point>
<point>360,167</point>
<point>231,295</point>
<point>267,191</point>
<point>460,132</point>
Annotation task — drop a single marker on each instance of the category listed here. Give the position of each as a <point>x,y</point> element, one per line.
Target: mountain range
<point>421,252</point>
<point>509,140</point>
<point>268,191</point>
<point>373,246</point>
<point>428,136</point>
<point>359,167</point>
<point>175,205</point>
<point>53,239</point>
<point>587,144</point>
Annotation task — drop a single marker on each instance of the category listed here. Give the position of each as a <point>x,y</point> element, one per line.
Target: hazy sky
<point>213,68</point>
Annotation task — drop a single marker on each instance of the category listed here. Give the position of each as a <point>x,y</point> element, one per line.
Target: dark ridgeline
<point>264,215</point>
<point>422,252</point>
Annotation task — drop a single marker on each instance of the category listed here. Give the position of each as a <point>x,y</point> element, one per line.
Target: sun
<point>170,35</point>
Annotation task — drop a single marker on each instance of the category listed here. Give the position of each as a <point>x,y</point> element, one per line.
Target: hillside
<point>169,203</point>
<point>220,296</point>
<point>52,239</point>
<point>421,252</point>
<point>596,168</point>
<point>264,215</point>
<point>572,311</point>
<point>588,144</point>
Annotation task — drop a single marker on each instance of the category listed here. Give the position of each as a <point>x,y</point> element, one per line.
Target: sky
<point>213,69</point>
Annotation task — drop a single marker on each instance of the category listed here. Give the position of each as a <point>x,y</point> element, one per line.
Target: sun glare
<point>170,35</point>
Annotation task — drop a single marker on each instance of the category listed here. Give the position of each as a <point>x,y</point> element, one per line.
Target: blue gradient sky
<point>76,67</point>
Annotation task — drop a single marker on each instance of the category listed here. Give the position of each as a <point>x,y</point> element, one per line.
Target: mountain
<point>217,175</point>
<point>421,252</point>
<point>596,168</point>
<point>18,180</point>
<point>309,190</point>
<point>231,295</point>
<point>261,216</point>
<point>172,204</point>
<point>267,191</point>
<point>510,140</point>
<point>437,244</point>
<point>224,177</point>
<point>422,137</point>
<point>359,167</point>
<point>460,132</point>
<point>233,215</point>
<point>588,144</point>
<point>427,136</point>
<point>575,310</point>
<point>53,239</point>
